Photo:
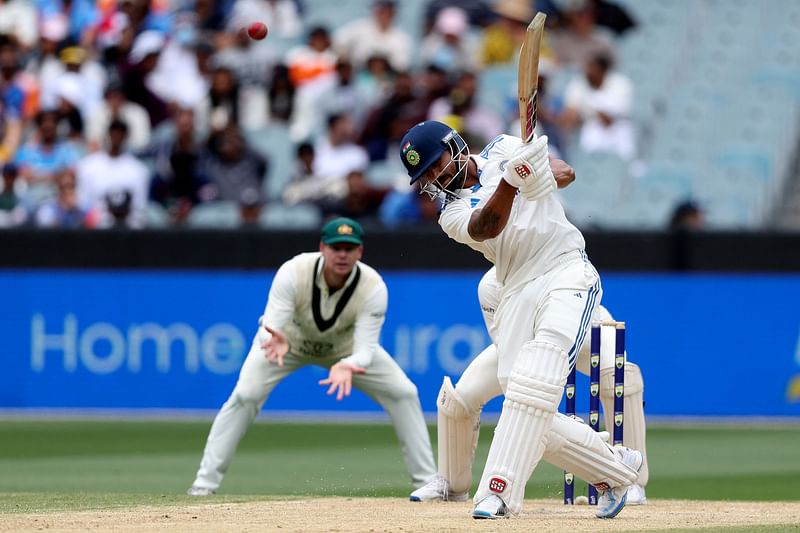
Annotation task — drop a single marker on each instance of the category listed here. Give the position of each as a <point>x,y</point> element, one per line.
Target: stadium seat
<point>300,216</point>
<point>219,215</point>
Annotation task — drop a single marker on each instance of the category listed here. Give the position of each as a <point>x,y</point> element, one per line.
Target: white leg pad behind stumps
<point>575,447</point>
<point>633,426</point>
<point>534,390</point>
<point>458,428</point>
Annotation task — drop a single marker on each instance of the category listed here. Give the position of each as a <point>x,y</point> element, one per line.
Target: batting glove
<point>541,184</point>
<point>521,168</point>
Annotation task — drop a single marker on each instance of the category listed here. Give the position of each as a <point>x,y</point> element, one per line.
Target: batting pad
<point>634,429</point>
<point>575,447</point>
<point>458,436</point>
<point>534,391</point>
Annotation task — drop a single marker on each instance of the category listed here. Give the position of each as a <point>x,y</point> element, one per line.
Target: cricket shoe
<point>200,491</point>
<point>437,490</point>
<point>636,495</point>
<point>611,501</point>
<point>491,507</point>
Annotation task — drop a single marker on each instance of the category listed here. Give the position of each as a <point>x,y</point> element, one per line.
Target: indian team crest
<point>411,155</point>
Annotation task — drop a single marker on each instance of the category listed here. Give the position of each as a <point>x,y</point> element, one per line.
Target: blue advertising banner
<point>708,345</point>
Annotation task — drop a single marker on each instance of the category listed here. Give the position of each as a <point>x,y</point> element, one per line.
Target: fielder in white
<point>500,203</point>
<point>460,410</point>
<point>324,308</point>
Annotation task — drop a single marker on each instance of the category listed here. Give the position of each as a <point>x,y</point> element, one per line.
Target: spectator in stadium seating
<point>12,101</point>
<point>449,45</point>
<point>116,106</point>
<point>252,63</point>
<point>178,183</point>
<point>461,111</point>
<point>62,211</point>
<point>12,212</point>
<point>304,162</point>
<point>361,200</point>
<point>479,12</point>
<point>281,17</point>
<point>389,120</point>
<point>313,60</point>
<point>336,154</point>
<point>18,19</point>
<point>111,171</point>
<point>78,79</point>
<point>600,103</point>
<point>232,166</point>
<point>376,78</point>
<point>330,95</point>
<point>222,102</point>
<point>182,72</point>
<point>82,17</point>
<point>403,208</point>
<point>503,37</point>
<point>687,216</point>
<point>281,95</point>
<point>375,35</point>
<point>147,15</point>
<point>135,70</point>
<point>46,154</point>
<point>578,39</point>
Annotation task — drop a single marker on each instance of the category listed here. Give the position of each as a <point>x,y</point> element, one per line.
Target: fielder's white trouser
<point>385,382</point>
<point>539,331</point>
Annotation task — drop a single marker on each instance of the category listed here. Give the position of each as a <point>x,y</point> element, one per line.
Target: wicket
<point>594,395</point>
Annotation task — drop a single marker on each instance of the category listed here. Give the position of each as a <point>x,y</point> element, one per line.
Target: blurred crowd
<point>115,111</point>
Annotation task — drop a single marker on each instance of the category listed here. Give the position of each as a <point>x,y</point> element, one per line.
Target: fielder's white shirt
<point>537,233</point>
<point>352,334</point>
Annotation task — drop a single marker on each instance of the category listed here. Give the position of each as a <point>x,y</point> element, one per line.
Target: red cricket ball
<point>257,30</point>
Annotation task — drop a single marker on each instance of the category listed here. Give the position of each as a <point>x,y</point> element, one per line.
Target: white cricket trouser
<point>385,382</point>
<point>555,308</point>
<point>540,328</point>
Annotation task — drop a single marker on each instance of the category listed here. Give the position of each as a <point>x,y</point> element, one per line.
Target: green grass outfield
<point>100,464</point>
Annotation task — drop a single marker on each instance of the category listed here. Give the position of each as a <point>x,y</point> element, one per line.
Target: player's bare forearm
<point>563,173</point>
<point>488,222</point>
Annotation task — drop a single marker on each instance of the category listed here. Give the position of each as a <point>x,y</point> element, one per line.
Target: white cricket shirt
<point>537,233</point>
<point>345,324</point>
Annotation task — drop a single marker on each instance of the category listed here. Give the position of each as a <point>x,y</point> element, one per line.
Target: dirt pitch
<point>389,515</point>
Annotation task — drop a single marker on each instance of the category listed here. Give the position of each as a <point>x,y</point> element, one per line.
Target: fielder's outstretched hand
<point>340,379</point>
<point>276,346</point>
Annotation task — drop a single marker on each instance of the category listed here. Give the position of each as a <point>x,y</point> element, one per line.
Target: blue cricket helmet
<point>424,144</point>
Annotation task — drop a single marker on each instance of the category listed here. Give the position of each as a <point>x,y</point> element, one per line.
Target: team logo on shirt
<point>412,156</point>
<point>522,171</point>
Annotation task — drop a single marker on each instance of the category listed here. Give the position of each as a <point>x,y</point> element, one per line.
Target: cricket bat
<point>528,76</point>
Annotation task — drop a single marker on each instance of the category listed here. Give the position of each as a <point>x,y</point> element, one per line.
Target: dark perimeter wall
<point>405,249</point>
